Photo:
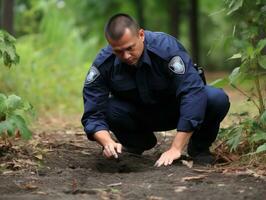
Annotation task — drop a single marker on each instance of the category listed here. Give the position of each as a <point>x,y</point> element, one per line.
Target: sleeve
<point>95,97</point>
<point>190,92</point>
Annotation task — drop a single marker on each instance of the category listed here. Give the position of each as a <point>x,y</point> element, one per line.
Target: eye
<point>117,51</point>
<point>130,48</point>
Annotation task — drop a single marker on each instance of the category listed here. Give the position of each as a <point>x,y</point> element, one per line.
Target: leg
<point>125,122</point>
<point>217,108</point>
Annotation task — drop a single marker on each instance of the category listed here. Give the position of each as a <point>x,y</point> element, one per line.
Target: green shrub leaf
<point>3,106</point>
<point>235,56</point>
<point>220,82</point>
<point>258,136</point>
<point>8,126</point>
<point>261,148</point>
<point>262,61</point>
<point>235,138</point>
<point>261,44</point>
<point>14,102</point>
<point>21,125</point>
<point>263,117</point>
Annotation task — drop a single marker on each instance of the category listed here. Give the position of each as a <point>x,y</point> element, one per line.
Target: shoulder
<point>104,57</point>
<point>163,44</point>
<point>101,65</point>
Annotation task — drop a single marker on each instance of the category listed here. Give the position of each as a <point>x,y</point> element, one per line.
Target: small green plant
<point>248,135</point>
<point>12,107</point>
<point>250,77</point>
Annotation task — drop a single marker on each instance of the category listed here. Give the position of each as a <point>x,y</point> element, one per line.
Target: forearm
<point>180,140</point>
<point>103,137</point>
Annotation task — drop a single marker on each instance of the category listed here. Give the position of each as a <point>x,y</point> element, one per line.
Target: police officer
<point>143,82</point>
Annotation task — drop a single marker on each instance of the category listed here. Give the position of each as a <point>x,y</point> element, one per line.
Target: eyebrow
<point>124,49</point>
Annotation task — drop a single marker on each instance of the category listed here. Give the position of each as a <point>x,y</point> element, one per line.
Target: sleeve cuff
<point>91,131</point>
<point>187,125</point>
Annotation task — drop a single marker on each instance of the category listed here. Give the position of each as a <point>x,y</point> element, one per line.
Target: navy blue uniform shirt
<point>165,73</point>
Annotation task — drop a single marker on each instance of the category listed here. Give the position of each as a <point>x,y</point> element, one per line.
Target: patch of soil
<point>73,168</point>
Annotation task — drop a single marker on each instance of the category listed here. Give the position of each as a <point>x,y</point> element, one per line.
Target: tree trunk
<point>7,15</point>
<point>139,9</point>
<point>194,33</point>
<point>174,17</point>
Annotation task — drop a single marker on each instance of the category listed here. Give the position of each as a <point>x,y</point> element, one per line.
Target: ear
<point>141,34</point>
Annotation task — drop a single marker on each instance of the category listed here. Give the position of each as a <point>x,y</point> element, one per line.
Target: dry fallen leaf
<point>154,198</point>
<point>40,192</point>
<point>180,188</point>
<point>204,170</point>
<point>192,178</point>
<point>7,172</point>
<point>85,152</point>
<point>189,163</point>
<point>30,186</point>
<point>26,186</point>
<point>39,156</point>
<point>114,184</point>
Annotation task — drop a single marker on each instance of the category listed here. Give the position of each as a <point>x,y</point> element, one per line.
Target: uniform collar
<point>145,58</point>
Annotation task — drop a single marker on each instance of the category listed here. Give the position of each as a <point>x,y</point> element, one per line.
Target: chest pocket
<point>123,83</point>
<point>158,80</point>
<point>158,83</point>
<point>124,87</point>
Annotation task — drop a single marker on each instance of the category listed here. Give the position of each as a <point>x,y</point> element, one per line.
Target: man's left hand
<point>168,157</point>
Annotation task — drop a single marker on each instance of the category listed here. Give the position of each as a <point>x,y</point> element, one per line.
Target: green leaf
<point>235,74</point>
<point>8,126</point>
<point>261,148</point>
<point>258,136</point>
<point>14,102</point>
<point>262,61</point>
<point>235,138</point>
<point>3,106</point>
<point>8,49</point>
<point>21,125</point>
<point>235,56</point>
<point>261,44</point>
<point>220,82</point>
<point>263,117</point>
<point>234,5</point>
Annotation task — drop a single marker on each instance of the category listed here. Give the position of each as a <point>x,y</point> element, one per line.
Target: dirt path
<point>67,166</point>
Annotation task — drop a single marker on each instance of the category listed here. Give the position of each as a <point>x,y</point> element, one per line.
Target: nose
<point>126,55</point>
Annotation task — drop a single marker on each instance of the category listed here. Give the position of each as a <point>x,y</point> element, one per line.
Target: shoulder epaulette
<point>103,55</point>
<point>162,44</point>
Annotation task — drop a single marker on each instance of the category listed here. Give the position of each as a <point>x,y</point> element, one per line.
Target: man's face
<point>129,47</point>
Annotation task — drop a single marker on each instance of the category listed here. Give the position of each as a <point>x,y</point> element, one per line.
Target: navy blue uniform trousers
<point>134,125</point>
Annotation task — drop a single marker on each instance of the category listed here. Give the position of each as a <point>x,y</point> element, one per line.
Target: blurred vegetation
<point>249,78</point>
<point>12,108</point>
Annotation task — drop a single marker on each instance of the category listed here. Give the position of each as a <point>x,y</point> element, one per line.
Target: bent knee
<point>219,98</point>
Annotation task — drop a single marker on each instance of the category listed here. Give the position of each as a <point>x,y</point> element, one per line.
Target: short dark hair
<point>117,24</point>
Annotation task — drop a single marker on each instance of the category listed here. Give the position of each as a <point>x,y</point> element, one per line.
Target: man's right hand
<point>112,150</point>
<point>110,147</point>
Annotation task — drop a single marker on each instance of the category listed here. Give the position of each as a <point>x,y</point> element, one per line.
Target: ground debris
<point>114,184</point>
<point>26,186</point>
<point>75,169</point>
<point>154,198</point>
<point>248,172</point>
<point>188,163</point>
<point>180,188</point>
<point>193,178</point>
<point>204,170</point>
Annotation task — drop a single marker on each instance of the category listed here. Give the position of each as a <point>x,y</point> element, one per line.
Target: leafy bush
<point>12,107</point>
<point>250,77</point>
